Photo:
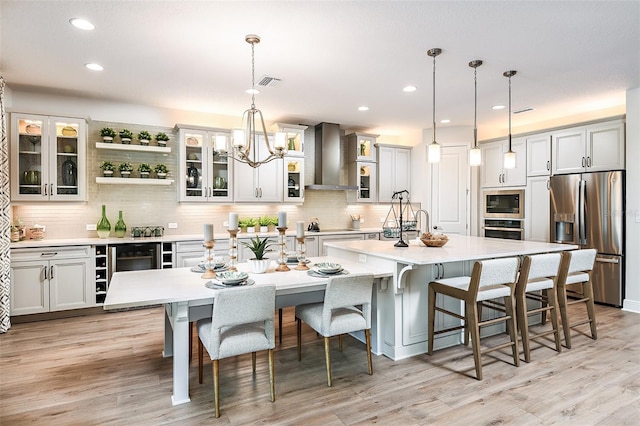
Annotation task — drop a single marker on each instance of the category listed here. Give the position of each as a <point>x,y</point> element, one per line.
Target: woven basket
<point>434,243</point>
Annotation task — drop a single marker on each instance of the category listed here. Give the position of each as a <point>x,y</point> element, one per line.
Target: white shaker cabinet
<point>53,279</point>
<point>48,158</point>
<point>590,148</point>
<point>262,184</point>
<point>537,209</point>
<point>492,172</point>
<point>394,171</point>
<point>204,168</point>
<point>539,155</point>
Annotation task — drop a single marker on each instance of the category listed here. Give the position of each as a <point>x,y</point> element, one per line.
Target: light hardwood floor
<point>108,369</point>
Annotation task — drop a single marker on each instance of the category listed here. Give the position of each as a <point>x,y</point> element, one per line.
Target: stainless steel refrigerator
<point>587,209</point>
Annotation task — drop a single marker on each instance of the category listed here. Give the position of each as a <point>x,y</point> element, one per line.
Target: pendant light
<point>245,140</point>
<point>509,156</point>
<point>434,147</point>
<point>475,155</point>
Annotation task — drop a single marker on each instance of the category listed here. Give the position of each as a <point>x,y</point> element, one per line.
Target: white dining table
<point>186,298</point>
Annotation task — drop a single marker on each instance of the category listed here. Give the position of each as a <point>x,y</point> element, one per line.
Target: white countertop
<point>459,248</point>
<point>158,286</point>
<point>59,242</point>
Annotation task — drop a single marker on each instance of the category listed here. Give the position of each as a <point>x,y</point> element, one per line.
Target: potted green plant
<point>251,224</point>
<point>144,169</point>
<point>107,134</point>
<point>125,169</point>
<point>162,139</point>
<point>161,171</point>
<point>264,222</point>
<point>144,137</point>
<point>107,168</point>
<point>125,136</point>
<point>258,246</point>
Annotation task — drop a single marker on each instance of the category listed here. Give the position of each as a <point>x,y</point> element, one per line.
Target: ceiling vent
<point>521,110</point>
<point>266,81</point>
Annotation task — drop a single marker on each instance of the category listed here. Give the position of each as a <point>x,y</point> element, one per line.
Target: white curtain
<point>5,218</point>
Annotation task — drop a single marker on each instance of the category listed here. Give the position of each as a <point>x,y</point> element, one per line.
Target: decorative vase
<point>363,150</point>
<point>259,266</point>
<point>292,144</point>
<point>193,177</point>
<point>121,227</point>
<point>69,173</point>
<point>103,227</point>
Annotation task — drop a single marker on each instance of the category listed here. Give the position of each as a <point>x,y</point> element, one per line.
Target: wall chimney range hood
<point>328,166</point>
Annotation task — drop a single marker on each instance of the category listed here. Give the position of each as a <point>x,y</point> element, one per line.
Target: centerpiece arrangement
<point>259,246</point>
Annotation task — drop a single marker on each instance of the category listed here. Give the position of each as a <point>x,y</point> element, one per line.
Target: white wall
<point>632,253</point>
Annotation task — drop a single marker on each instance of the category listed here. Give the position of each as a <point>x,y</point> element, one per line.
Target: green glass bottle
<point>103,227</point>
<point>121,227</point>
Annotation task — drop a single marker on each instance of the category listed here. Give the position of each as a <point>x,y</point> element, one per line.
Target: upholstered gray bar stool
<point>241,322</point>
<point>575,271</point>
<point>490,279</point>
<point>537,282</point>
<point>346,309</point>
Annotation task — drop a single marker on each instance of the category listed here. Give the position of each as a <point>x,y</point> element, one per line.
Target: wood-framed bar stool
<point>537,282</point>
<point>346,309</point>
<point>575,271</point>
<point>490,279</point>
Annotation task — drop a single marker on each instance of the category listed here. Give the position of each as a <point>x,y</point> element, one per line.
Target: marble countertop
<point>459,248</point>
<point>61,242</point>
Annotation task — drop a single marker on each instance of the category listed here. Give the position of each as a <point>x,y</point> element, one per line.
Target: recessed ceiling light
<point>445,121</point>
<point>363,108</point>
<point>252,91</point>
<point>409,89</point>
<point>83,24</point>
<point>94,67</point>
<point>498,107</point>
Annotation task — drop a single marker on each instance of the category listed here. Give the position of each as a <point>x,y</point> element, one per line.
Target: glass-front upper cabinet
<point>293,180</point>
<point>294,136</point>
<point>48,158</point>
<point>205,168</point>
<point>361,147</point>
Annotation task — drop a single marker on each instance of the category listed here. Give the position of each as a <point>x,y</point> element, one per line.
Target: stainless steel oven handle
<point>602,260</point>
<point>495,228</point>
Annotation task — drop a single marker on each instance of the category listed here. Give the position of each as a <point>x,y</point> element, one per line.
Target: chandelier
<point>246,141</point>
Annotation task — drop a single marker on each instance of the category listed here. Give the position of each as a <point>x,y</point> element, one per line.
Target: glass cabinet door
<point>294,179</point>
<point>367,182</point>
<point>64,164</point>
<point>193,160</point>
<point>31,154</point>
<point>219,181</point>
<point>294,138</point>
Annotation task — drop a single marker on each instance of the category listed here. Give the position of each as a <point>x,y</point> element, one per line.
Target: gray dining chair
<point>490,279</point>
<point>241,322</point>
<point>537,282</point>
<point>346,309</point>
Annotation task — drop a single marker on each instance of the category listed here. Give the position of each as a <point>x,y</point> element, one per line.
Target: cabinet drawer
<point>191,246</point>
<point>50,253</point>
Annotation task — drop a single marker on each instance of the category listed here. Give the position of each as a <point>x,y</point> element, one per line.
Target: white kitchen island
<point>400,309</point>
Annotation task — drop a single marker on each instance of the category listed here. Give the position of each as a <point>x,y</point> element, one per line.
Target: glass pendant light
<point>509,156</point>
<point>434,147</point>
<point>475,155</point>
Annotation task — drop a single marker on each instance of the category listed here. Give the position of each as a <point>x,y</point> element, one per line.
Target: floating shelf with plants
<point>132,181</point>
<point>140,148</point>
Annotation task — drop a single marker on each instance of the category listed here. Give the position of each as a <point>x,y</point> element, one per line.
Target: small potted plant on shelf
<point>144,137</point>
<point>259,246</point>
<point>162,139</point>
<point>107,134</point>
<point>144,170</point>
<point>267,222</point>
<point>125,136</point>
<point>107,168</point>
<point>125,169</point>
<point>161,171</point>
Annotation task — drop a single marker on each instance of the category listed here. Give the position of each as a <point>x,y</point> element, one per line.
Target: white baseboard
<point>631,306</point>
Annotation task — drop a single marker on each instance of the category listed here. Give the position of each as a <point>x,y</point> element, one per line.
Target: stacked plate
<point>232,278</point>
<point>327,268</point>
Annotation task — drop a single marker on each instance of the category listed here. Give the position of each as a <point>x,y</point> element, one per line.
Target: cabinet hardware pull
<point>44,190</point>
<point>588,161</point>
<point>44,272</point>
<point>548,165</point>
<point>583,162</point>
<point>548,185</point>
<point>51,272</point>
<point>48,254</point>
<point>51,189</point>
<point>603,260</point>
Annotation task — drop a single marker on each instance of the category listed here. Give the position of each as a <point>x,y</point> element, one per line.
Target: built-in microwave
<point>504,204</point>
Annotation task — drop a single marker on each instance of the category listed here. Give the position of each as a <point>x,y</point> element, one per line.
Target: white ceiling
<point>571,56</point>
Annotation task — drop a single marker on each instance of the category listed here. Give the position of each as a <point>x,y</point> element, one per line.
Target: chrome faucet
<point>415,217</point>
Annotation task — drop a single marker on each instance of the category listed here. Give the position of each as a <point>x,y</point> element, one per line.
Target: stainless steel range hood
<point>328,166</point>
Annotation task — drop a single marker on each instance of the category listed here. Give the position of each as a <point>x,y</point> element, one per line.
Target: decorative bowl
<point>232,277</point>
<point>432,240</point>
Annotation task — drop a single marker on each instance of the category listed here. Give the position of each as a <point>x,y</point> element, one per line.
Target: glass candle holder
<point>282,259</point>
<point>233,249</point>
<point>302,251</point>
<point>209,273</point>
